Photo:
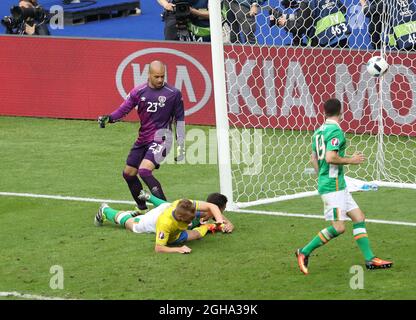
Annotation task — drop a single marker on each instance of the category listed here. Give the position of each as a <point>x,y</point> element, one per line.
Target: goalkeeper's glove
<point>180,153</point>
<point>103,120</point>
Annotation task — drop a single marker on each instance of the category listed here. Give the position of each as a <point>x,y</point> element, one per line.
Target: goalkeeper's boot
<point>144,196</point>
<point>100,217</point>
<point>303,261</point>
<point>377,263</point>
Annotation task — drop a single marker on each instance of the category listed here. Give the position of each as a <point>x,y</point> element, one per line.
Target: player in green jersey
<point>328,159</point>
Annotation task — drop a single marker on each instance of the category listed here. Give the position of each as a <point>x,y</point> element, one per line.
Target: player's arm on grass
<point>161,245</point>
<point>228,226</point>
<point>165,249</point>
<point>212,211</point>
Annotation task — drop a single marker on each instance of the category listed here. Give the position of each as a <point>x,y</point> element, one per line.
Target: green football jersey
<point>329,137</point>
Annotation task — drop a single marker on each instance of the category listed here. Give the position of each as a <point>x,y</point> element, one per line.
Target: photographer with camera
<point>168,16</point>
<point>27,18</point>
<point>186,20</point>
<point>296,23</point>
<point>241,16</point>
<point>323,21</point>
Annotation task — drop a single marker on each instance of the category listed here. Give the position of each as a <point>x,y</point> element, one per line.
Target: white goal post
<point>269,98</point>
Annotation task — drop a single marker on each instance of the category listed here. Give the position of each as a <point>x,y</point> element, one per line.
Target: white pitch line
<point>283,214</point>
<point>27,296</point>
<point>311,216</point>
<point>67,198</point>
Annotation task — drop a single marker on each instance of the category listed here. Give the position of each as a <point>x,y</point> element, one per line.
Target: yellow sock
<point>203,229</point>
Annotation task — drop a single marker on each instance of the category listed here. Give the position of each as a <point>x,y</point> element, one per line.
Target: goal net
<point>278,72</point>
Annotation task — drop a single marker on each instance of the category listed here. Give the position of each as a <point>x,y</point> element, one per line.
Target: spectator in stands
<point>199,21</point>
<point>402,24</point>
<point>296,23</point>
<point>194,28</point>
<point>325,21</point>
<point>171,32</point>
<point>373,10</point>
<point>241,15</point>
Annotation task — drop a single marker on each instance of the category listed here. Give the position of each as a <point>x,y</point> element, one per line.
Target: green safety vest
<point>198,30</point>
<point>327,22</point>
<point>402,30</point>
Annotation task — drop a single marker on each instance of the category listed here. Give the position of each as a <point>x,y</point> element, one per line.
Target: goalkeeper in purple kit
<point>158,105</point>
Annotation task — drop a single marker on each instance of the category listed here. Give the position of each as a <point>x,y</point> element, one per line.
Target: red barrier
<point>81,79</point>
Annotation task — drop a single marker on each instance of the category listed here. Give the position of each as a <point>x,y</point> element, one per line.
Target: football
<point>377,66</point>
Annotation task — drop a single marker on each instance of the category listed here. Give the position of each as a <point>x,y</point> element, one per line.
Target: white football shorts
<point>337,204</point>
<point>147,222</point>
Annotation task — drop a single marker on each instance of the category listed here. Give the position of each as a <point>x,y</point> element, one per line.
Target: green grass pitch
<point>76,158</point>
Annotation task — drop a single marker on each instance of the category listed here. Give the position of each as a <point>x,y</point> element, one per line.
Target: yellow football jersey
<point>168,229</point>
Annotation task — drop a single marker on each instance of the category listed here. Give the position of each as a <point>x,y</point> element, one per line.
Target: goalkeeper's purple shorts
<point>153,151</point>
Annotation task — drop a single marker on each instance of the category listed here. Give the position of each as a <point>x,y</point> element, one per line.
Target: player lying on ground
<point>201,217</point>
<point>328,158</point>
<point>170,222</point>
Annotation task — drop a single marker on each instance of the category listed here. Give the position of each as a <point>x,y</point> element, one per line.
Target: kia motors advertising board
<point>272,87</point>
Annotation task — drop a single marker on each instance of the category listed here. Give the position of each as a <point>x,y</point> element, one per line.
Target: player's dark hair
<point>218,199</point>
<point>185,211</point>
<point>332,107</point>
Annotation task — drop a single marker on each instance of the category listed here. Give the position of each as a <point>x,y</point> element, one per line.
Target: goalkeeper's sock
<point>153,184</point>
<point>361,237</point>
<point>135,187</point>
<point>156,201</point>
<point>323,237</point>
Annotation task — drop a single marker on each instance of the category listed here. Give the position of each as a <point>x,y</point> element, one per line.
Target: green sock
<point>156,201</point>
<point>110,214</point>
<point>323,237</point>
<point>117,216</point>
<point>361,237</point>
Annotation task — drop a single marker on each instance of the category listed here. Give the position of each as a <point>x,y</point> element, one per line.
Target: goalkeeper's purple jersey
<point>156,108</point>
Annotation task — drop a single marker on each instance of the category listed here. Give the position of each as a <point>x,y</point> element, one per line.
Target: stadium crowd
<point>323,23</point>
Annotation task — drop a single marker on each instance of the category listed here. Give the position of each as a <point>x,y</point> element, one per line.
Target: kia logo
<point>189,83</point>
